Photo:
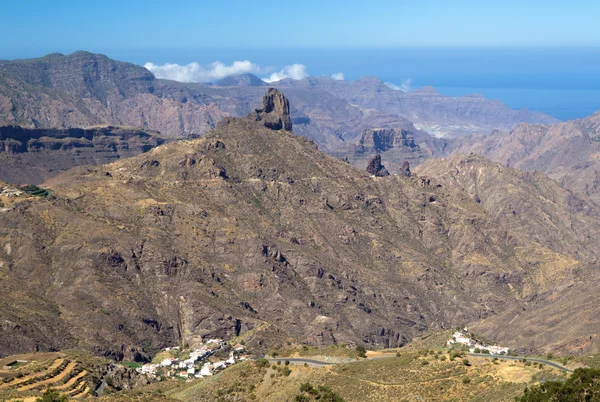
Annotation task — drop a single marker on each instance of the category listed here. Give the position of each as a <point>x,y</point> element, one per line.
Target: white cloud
<point>195,72</point>
<point>338,76</point>
<point>406,85</point>
<point>293,71</point>
<point>393,86</point>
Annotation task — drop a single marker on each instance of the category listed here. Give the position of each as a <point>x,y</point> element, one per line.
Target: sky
<point>513,50</point>
<point>35,27</point>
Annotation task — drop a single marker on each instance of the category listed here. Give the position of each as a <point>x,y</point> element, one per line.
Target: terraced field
<point>63,374</point>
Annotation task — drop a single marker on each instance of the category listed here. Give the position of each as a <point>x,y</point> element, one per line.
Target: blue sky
<point>38,26</point>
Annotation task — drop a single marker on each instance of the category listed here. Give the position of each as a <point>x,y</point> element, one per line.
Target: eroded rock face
<point>382,139</point>
<point>376,168</point>
<point>275,112</point>
<point>406,169</point>
<point>35,155</point>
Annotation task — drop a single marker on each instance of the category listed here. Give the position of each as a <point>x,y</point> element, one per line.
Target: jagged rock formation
<point>406,169</point>
<point>275,113</point>
<point>375,167</point>
<point>35,155</point>
<point>381,139</point>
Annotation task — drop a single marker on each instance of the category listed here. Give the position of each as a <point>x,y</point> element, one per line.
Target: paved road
<point>294,360</point>
<point>318,363</point>
<point>529,359</point>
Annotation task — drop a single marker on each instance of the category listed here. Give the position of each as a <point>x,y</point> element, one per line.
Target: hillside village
<point>464,338</point>
<point>194,363</point>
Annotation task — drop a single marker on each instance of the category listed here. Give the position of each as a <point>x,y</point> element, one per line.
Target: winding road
<point>529,359</point>
<point>319,363</point>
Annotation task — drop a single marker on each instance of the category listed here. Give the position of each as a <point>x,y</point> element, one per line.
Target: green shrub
<point>262,362</point>
<point>361,351</point>
<point>321,393</point>
<point>466,380</point>
<point>582,385</point>
<point>466,362</point>
<point>52,395</point>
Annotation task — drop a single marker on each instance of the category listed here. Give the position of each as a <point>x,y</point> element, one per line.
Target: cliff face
<point>85,89</point>
<point>250,230</point>
<point>35,155</point>
<point>380,139</point>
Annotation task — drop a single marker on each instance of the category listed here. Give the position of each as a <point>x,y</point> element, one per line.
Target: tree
<point>52,395</point>
<point>582,385</point>
<point>361,351</point>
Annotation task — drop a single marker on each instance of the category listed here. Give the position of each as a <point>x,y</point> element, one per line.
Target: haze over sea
<point>562,82</point>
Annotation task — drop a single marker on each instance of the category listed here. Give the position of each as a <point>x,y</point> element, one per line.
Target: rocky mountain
<point>567,152</point>
<point>394,145</point>
<point>35,155</point>
<point>442,116</point>
<point>252,230</point>
<point>85,89</point>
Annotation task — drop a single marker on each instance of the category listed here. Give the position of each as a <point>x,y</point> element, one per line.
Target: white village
<point>464,338</point>
<point>195,363</point>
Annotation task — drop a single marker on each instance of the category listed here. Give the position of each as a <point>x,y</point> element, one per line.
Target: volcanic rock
<point>275,113</point>
<point>376,168</point>
<point>406,169</point>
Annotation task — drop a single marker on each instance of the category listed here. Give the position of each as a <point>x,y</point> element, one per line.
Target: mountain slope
<point>253,230</point>
<point>567,152</point>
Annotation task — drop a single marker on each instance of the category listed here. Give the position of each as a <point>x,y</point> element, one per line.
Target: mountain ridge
<point>253,230</point>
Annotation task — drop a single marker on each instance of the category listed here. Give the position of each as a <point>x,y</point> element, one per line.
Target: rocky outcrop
<point>406,169</point>
<point>275,113</point>
<point>376,168</point>
<point>382,139</point>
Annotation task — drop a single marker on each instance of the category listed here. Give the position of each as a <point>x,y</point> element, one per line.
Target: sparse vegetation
<point>320,393</point>
<point>582,385</point>
<point>51,395</point>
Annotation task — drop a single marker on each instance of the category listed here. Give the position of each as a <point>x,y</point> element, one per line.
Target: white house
<point>205,370</point>
<point>166,362</point>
